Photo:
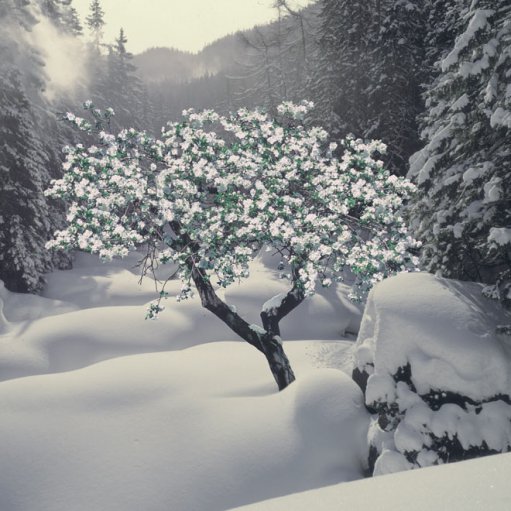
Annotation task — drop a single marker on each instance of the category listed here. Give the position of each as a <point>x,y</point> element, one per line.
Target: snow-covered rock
<point>434,371</point>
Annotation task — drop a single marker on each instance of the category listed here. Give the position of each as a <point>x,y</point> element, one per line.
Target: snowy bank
<point>202,429</point>
<point>438,375</point>
<point>97,311</point>
<point>469,486</point>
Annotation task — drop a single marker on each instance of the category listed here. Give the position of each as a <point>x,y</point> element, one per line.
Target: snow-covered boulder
<point>435,372</point>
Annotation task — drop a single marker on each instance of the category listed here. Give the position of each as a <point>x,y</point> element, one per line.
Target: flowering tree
<point>214,190</point>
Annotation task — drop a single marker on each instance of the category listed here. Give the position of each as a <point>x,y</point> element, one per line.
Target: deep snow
<point>199,429</point>
<point>475,485</point>
<point>107,309</point>
<point>198,425</point>
<point>103,410</point>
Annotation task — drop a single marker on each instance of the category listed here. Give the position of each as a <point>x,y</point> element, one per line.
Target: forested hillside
<point>429,78</point>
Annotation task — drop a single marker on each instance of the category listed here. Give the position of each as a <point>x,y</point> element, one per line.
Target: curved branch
<point>271,316</point>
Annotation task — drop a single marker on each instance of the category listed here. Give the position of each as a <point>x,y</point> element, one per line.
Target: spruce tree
<point>326,75</point>
<point>396,74</point>
<point>70,19</point>
<point>63,15</point>
<point>95,22</point>
<point>125,91</point>
<point>444,21</point>
<point>346,41</point>
<point>24,213</point>
<point>463,209</point>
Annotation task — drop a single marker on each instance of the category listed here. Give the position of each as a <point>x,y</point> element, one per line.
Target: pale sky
<point>183,24</point>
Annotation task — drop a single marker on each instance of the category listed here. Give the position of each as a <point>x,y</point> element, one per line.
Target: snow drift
<point>471,486</point>
<point>199,429</point>
<point>108,411</point>
<point>105,317</point>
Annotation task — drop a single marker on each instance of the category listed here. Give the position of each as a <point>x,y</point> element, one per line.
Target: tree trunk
<point>269,344</point>
<point>278,361</point>
<point>266,340</point>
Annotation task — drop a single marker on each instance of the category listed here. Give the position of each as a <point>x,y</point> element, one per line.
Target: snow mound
<point>92,283</point>
<point>102,312</point>
<point>16,307</point>
<point>445,331</point>
<point>199,429</point>
<point>435,372</point>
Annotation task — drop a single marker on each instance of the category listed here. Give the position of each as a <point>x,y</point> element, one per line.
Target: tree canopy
<point>214,190</point>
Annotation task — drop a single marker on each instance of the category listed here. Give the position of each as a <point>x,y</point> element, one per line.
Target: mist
<point>65,59</point>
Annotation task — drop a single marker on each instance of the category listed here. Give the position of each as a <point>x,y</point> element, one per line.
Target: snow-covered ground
<point>475,485</point>
<point>102,410</point>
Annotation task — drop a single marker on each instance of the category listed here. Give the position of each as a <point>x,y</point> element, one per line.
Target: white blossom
<point>230,199</point>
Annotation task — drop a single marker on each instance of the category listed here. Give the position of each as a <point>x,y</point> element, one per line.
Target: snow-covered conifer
<point>124,89</point>
<point>345,43</point>
<point>396,74</point>
<point>24,217</point>
<point>95,22</point>
<point>463,209</point>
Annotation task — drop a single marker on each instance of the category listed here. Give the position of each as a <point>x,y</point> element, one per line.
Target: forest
<point>429,79</point>
<point>350,159</point>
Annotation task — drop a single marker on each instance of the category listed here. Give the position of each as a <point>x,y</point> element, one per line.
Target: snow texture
<point>439,375</point>
<point>199,426</point>
<point>199,429</point>
<point>274,303</point>
<point>468,486</point>
<point>443,328</point>
<point>105,310</point>
<point>478,22</point>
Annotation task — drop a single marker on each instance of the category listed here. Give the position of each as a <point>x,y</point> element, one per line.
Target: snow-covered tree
<point>346,43</point>
<point>24,217</point>
<point>24,224</point>
<point>396,74</point>
<point>324,82</point>
<point>463,209</point>
<point>444,20</point>
<point>70,19</point>
<point>209,203</point>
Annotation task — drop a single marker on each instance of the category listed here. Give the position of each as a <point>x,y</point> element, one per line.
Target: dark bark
<point>272,317</point>
<point>267,343</point>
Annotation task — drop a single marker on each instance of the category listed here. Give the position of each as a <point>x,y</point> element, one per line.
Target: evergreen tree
<point>396,74</point>
<point>444,23</point>
<point>70,19</point>
<point>95,22</point>
<point>63,15</point>
<point>463,210</point>
<point>51,9</point>
<point>324,85</point>
<point>346,42</point>
<point>125,91</point>
<point>24,213</point>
